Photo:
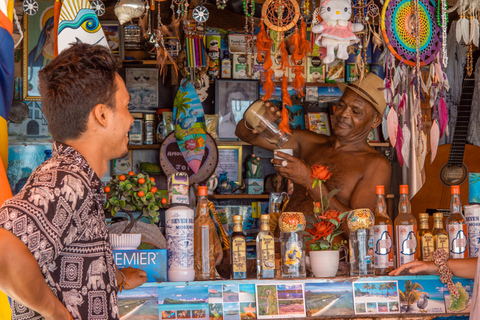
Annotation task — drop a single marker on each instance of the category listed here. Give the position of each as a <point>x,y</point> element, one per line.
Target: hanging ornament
<point>200,14</point>
<point>307,9</point>
<point>99,7</point>
<point>280,15</point>
<point>221,4</point>
<point>182,8</point>
<point>30,7</point>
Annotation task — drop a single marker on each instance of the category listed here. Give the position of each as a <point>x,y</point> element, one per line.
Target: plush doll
<point>335,31</point>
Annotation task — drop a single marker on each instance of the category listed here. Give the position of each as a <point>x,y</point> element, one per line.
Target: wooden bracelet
<point>440,259</point>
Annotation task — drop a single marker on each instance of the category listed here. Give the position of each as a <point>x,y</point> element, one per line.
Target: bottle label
<point>239,256</point>
<point>268,253</point>
<point>293,253</point>
<point>226,68</point>
<point>383,245</point>
<point>457,235</point>
<point>406,244</point>
<point>442,242</point>
<point>206,250</point>
<point>265,225</point>
<point>428,247</point>
<point>179,236</point>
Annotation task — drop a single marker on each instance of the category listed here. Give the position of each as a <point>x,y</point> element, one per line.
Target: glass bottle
<point>238,249</point>
<point>204,239</point>
<point>427,246</point>
<point>382,235</point>
<point>440,235</point>
<point>265,250</point>
<point>457,227</point>
<point>405,230</point>
<point>226,66</point>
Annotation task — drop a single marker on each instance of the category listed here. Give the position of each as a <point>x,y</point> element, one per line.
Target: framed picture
<point>123,165</point>
<point>142,86</point>
<point>318,122</point>
<point>232,98</point>
<point>38,47</point>
<point>230,161</point>
<point>114,35</point>
<point>374,135</point>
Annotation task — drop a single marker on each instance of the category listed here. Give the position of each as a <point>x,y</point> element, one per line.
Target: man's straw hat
<point>369,88</point>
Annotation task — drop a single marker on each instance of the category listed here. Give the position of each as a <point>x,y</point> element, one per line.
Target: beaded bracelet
<point>122,284</point>
<point>440,259</point>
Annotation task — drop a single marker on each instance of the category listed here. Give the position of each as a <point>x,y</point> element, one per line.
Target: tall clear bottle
<point>427,244</point>
<point>405,230</point>
<point>265,250</point>
<point>440,235</point>
<point>382,235</point>
<point>204,239</point>
<point>238,249</point>
<point>457,227</point>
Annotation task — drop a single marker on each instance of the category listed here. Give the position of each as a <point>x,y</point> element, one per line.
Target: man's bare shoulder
<point>377,160</point>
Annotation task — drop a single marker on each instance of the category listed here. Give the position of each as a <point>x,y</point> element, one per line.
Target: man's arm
<point>133,277</point>
<point>465,268</point>
<point>22,280</point>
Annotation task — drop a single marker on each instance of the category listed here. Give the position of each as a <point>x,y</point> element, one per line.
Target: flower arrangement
<point>134,192</point>
<point>325,224</point>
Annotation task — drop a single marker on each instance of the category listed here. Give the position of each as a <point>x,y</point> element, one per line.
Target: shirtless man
<point>355,166</point>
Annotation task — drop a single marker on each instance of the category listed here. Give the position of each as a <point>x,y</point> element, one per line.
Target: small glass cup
<point>256,118</point>
<point>293,255</point>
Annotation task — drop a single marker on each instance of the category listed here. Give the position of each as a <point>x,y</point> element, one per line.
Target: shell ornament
<point>30,7</point>
<point>200,14</point>
<point>98,7</point>
<point>126,10</point>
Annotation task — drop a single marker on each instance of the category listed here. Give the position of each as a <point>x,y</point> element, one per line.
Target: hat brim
<point>363,94</point>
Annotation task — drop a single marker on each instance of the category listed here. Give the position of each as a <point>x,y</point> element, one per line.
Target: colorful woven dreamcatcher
<point>399,29</point>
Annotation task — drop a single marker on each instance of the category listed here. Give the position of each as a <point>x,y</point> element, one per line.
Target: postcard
<point>183,302</point>
<point>280,300</point>
<point>368,295</point>
<point>329,299</point>
<point>421,296</point>
<point>462,304</point>
<point>139,303</point>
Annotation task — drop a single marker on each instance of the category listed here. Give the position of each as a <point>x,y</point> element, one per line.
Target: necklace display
<point>307,9</point>
<point>249,11</point>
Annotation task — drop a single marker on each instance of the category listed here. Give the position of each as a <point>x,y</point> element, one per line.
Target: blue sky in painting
<point>328,287</point>
<point>140,292</point>
<point>183,293</point>
<point>247,288</point>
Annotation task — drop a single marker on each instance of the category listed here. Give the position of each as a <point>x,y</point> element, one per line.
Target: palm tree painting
<point>474,187</point>
<point>411,294</point>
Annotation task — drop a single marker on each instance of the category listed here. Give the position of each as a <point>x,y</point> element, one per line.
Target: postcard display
<point>302,298</point>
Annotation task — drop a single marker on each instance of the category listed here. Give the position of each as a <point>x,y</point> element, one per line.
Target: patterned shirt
<point>59,216</point>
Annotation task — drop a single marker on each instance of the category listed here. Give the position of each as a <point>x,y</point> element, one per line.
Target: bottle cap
<point>455,189</point>
<point>202,190</point>
<point>237,218</point>
<point>149,116</point>
<point>264,217</point>
<point>379,190</point>
<point>404,189</point>
<point>423,215</point>
<point>438,215</point>
<point>160,111</point>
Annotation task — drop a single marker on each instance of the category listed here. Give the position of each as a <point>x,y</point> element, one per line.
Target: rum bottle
<point>457,227</point>
<point>238,249</point>
<point>427,246</point>
<point>440,236</point>
<point>405,230</point>
<point>265,250</point>
<point>382,235</point>
<point>204,239</point>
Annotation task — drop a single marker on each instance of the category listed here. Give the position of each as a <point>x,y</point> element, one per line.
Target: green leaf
<point>332,193</point>
<point>335,222</point>
<point>343,215</point>
<point>314,247</point>
<point>314,183</point>
<point>310,219</point>
<point>129,207</point>
<point>121,203</point>
<point>336,233</point>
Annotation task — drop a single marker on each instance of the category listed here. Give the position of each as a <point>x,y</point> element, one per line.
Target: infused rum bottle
<point>204,239</point>
<point>440,236</point>
<point>238,249</point>
<point>265,250</point>
<point>457,227</point>
<point>427,246</point>
<point>405,230</point>
<point>382,235</point>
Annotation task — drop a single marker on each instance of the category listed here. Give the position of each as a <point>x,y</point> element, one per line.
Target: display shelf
<point>143,147</point>
<point>238,196</point>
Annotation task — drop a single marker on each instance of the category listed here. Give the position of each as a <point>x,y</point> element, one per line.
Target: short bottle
<point>238,249</point>
<point>382,235</point>
<point>204,239</point>
<point>405,230</point>
<point>265,250</point>
<point>427,244</point>
<point>226,66</point>
<point>440,235</point>
<point>457,227</point>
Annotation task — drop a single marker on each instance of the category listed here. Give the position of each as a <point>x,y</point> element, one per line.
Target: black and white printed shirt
<point>59,216</point>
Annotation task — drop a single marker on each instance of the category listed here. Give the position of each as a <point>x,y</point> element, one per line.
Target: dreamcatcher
<point>467,27</point>
<point>99,7</point>
<point>200,13</point>
<point>30,7</point>
<point>181,9</point>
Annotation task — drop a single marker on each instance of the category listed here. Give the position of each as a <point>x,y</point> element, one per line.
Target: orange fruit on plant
<point>106,189</point>
<point>152,179</point>
<point>131,173</point>
<point>141,193</point>
<point>121,178</point>
<point>153,190</point>
<point>141,180</point>
<point>164,201</point>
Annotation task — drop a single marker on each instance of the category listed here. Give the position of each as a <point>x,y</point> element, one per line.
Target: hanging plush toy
<point>335,31</point>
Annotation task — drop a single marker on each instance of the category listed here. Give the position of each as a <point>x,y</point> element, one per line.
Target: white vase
<point>324,263</point>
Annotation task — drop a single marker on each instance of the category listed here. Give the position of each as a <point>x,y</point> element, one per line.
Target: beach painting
<point>139,303</point>
<point>421,296</point>
<point>280,300</point>
<point>231,311</point>
<point>215,293</point>
<point>246,292</point>
<point>464,302</point>
<point>367,296</point>
<point>329,299</point>
<point>230,293</point>
<point>183,302</point>
<point>215,311</point>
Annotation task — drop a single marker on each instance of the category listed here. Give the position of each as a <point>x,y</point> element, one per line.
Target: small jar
<point>160,130</point>
<point>135,136</point>
<point>149,128</point>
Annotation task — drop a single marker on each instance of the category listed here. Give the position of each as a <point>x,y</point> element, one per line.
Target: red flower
<point>321,229</point>
<point>331,214</point>
<point>320,172</point>
<point>190,144</point>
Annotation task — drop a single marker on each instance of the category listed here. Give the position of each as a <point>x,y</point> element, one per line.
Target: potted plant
<point>322,229</point>
<point>133,193</point>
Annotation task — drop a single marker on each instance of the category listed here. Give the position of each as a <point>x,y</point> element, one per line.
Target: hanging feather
<point>284,57</point>
<point>143,24</point>
<point>387,92</point>
<point>268,86</point>
<point>399,144</point>
<point>304,44</point>
<point>442,115</point>
<point>359,65</point>
<point>474,32</point>
<point>434,137</point>
<point>458,30</point>
<point>299,81</point>
<point>285,95</point>
<point>284,126</point>
<point>175,26</point>
<point>402,105</point>
<point>406,144</point>
<point>465,29</point>
<point>294,41</point>
<point>384,122</point>
<point>264,44</point>
<point>421,149</point>
<point>392,123</point>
